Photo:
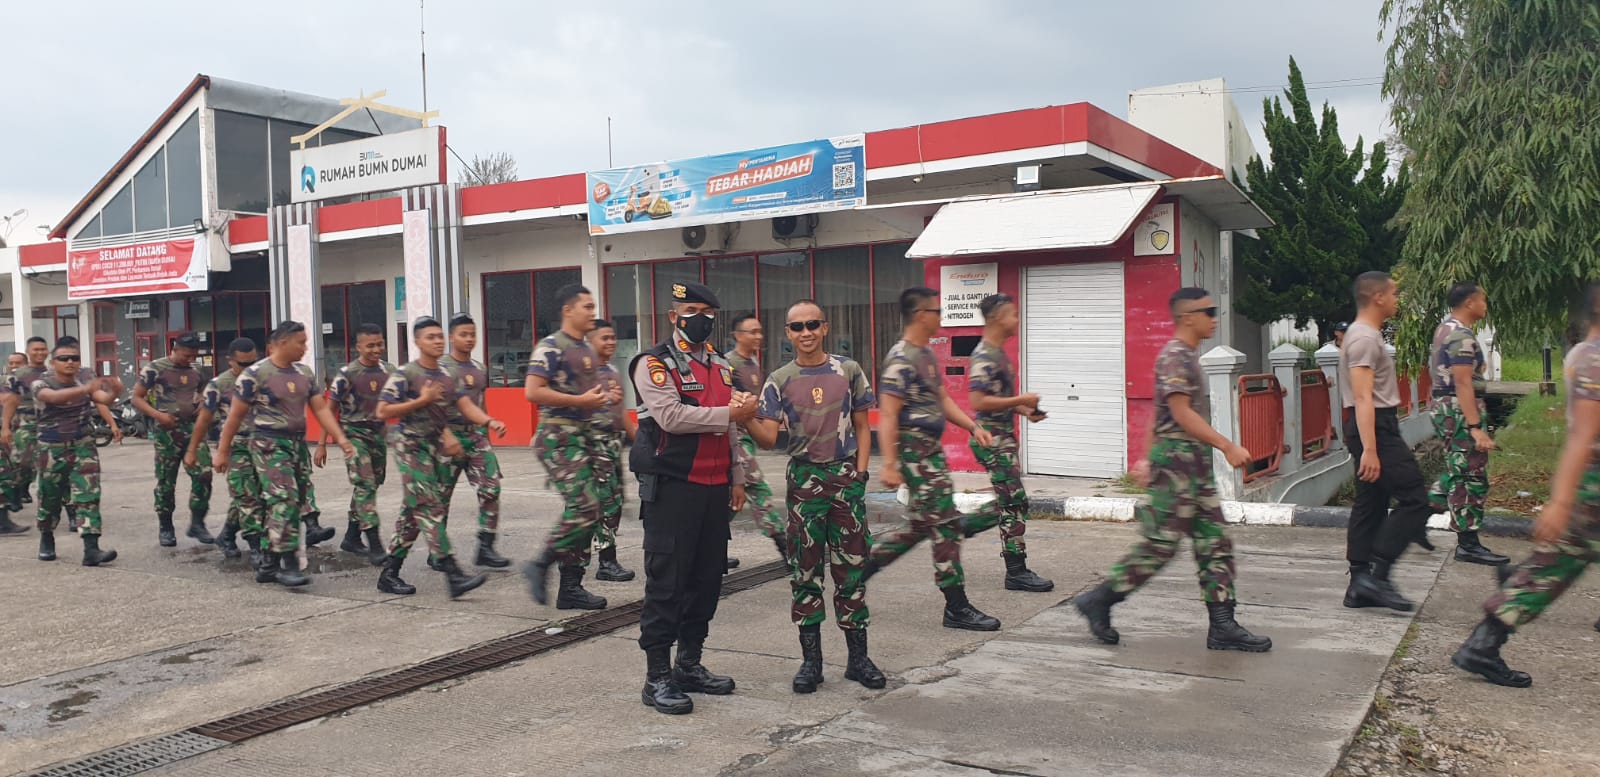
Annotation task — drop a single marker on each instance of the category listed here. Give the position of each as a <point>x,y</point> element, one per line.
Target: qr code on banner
<point>844,175</point>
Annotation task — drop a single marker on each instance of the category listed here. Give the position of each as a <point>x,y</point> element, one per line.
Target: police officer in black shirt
<point>689,488</point>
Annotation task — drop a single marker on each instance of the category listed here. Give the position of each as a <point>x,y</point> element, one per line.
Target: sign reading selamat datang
<point>142,268</point>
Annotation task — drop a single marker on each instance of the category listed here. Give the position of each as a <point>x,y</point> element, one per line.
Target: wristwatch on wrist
<point>1478,425</point>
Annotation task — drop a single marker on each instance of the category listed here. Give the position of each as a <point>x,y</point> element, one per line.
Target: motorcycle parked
<point>133,422</point>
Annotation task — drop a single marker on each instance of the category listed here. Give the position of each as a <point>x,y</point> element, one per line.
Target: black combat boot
<point>537,572</point>
<point>93,556</point>
<point>389,580</point>
<point>1423,541</point>
<point>1480,654</point>
<point>782,544</point>
<point>197,528</point>
<point>352,542</point>
<point>1096,606</point>
<point>47,545</point>
<point>731,565</point>
<point>226,539</point>
<point>692,676</point>
<point>252,544</point>
<point>14,500</point>
<point>315,532</point>
<point>1504,572</point>
<point>460,583</point>
<point>660,691</point>
<point>433,563</point>
<point>166,536</point>
<point>7,527</point>
<point>266,566</point>
<point>859,667</point>
<point>25,497</point>
<point>960,614</point>
<point>1373,589</point>
<point>1227,634</point>
<point>1020,578</point>
<point>571,595</point>
<point>486,555</point>
<point>376,553</point>
<point>289,572</point>
<point>1470,550</point>
<point>610,571</point>
<point>72,519</point>
<point>869,568</point>
<point>1352,593</point>
<point>810,675</point>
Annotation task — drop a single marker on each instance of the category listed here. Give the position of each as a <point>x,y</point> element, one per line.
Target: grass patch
<point>1404,649</point>
<point>1528,368</point>
<point>1126,485</point>
<point>1530,446</point>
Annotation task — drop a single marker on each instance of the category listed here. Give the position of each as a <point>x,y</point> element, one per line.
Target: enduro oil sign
<point>961,288</point>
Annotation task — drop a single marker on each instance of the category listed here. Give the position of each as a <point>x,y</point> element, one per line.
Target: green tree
<point>1499,104</point>
<point>1333,208</point>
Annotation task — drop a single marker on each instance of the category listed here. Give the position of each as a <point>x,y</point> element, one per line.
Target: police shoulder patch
<point>727,376</point>
<point>658,370</point>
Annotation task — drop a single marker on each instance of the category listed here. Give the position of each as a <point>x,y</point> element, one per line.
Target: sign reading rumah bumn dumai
<point>377,164</point>
<point>811,177</point>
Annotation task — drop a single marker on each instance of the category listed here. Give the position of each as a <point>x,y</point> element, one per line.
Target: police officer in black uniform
<point>689,488</point>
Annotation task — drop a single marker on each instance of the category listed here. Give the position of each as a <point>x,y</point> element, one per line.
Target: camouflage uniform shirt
<point>1582,370</point>
<point>217,398</point>
<point>472,380</point>
<point>911,373</point>
<point>406,384</point>
<point>277,396</point>
<point>1178,372</point>
<point>356,389</point>
<point>21,383</point>
<point>61,423</point>
<point>172,389</point>
<point>991,372</point>
<point>1454,345</point>
<point>609,418</point>
<point>746,372</point>
<point>568,366</point>
<point>817,402</point>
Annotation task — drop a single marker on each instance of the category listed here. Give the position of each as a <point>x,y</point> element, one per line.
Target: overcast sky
<point>680,78</point>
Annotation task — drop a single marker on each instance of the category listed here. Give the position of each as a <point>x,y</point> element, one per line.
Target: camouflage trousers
<point>69,477</point>
<point>482,468</point>
<point>283,471</point>
<point>367,470</point>
<point>827,525</point>
<point>757,494</point>
<point>933,508</point>
<point>245,511</point>
<point>1005,474</point>
<point>567,453</point>
<point>423,469</point>
<point>1552,568</point>
<point>1183,502</point>
<point>1464,483</point>
<point>171,444</point>
<point>611,484</point>
<point>25,456</point>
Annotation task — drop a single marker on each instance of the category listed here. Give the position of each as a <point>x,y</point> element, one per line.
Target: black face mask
<point>696,328</point>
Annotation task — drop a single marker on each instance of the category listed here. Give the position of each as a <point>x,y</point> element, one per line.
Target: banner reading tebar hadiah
<point>798,178</point>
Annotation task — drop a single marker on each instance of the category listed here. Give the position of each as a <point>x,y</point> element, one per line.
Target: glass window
<point>625,286</point>
<point>67,322</point>
<point>666,274</point>
<point>282,176</point>
<point>366,307</point>
<point>784,278</point>
<point>545,307</point>
<point>117,217</point>
<point>152,322</point>
<point>508,326</point>
<point>226,309</point>
<point>177,315</point>
<point>331,136</point>
<point>184,203</point>
<point>241,162</point>
<point>90,231</point>
<point>734,281</point>
<point>150,194</point>
<point>892,273</point>
<point>105,318</point>
<point>844,289</point>
<point>333,329</point>
<point>105,357</point>
<point>253,318</point>
<point>201,318</point>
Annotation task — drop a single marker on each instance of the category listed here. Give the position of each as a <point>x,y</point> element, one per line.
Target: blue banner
<point>809,177</point>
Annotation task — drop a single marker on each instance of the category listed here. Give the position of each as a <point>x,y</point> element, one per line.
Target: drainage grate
<point>137,757</point>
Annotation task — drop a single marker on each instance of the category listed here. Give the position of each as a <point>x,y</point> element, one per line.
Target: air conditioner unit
<point>706,239</point>
<point>794,227</point>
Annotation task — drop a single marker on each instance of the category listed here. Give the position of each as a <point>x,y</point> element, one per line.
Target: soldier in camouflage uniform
<point>272,396</point>
<point>563,381</point>
<point>614,429</point>
<point>1567,533</point>
<point>16,362</point>
<point>354,393</point>
<point>421,394</point>
<point>1183,492</point>
<point>745,358</point>
<point>992,389</point>
<point>824,401</point>
<point>477,460</point>
<point>1456,367</point>
<point>17,424</point>
<point>913,410</point>
<point>69,462</point>
<point>168,393</point>
<point>244,490</point>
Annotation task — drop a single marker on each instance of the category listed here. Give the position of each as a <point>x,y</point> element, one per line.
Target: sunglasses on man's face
<point>812,325</point>
<point>69,358</point>
<point>1210,312</point>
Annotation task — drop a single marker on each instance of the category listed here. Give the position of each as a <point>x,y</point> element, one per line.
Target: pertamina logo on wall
<point>142,268</point>
<point>376,164</point>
